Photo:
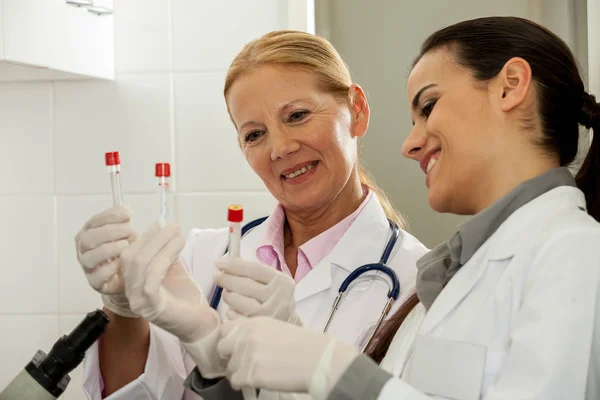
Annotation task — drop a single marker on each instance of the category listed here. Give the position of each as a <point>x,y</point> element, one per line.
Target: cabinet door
<point>83,42</point>
<point>26,31</point>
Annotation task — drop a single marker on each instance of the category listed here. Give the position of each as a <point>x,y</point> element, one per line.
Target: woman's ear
<point>514,83</point>
<point>359,107</point>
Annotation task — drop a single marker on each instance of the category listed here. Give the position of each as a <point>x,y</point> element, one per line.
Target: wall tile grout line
<point>172,113</point>
<point>179,193</point>
<point>55,201</point>
<point>171,71</point>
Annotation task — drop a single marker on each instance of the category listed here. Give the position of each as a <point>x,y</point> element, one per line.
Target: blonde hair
<point>318,56</point>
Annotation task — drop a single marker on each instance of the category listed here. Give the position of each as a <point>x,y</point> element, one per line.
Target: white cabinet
<point>56,39</point>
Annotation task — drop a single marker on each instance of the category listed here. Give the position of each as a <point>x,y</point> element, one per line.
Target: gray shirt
<point>211,389</point>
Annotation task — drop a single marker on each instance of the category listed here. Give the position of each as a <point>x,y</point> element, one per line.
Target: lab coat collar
<point>528,221</point>
<point>442,263</point>
<point>531,220</point>
<point>316,281</point>
<point>363,243</point>
<point>482,226</point>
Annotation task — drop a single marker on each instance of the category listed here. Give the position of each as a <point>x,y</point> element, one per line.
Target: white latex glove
<point>99,243</point>
<point>252,289</point>
<point>274,355</point>
<point>161,290</point>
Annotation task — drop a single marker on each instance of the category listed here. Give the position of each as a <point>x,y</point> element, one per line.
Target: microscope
<point>46,376</point>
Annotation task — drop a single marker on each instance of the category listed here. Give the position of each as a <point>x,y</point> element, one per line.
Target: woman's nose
<point>282,145</point>
<point>414,144</point>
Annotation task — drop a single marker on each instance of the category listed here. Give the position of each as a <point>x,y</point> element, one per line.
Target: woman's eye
<point>427,108</point>
<point>252,136</point>
<point>297,116</point>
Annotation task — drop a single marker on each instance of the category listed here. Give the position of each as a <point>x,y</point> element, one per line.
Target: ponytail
<point>588,177</point>
<point>385,334</point>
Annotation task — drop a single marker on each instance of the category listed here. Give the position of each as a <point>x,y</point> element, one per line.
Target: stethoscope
<point>380,266</point>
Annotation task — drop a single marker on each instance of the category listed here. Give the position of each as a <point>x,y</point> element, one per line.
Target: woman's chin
<point>302,204</point>
<point>437,201</point>
<point>306,199</point>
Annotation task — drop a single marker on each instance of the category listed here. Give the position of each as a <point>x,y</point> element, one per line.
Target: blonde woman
<point>298,118</point>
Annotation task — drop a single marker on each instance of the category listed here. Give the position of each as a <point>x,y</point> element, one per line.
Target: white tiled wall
<point>165,105</point>
<point>208,34</point>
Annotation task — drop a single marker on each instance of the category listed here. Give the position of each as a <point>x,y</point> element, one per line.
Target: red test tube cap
<point>112,158</point>
<point>162,170</point>
<point>235,213</point>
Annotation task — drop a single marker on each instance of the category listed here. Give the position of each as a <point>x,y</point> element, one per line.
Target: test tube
<point>163,172</point>
<point>113,164</point>
<point>235,215</point>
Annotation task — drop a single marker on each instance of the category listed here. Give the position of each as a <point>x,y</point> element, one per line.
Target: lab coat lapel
<point>523,223</point>
<point>316,281</point>
<point>362,243</point>
<point>458,287</point>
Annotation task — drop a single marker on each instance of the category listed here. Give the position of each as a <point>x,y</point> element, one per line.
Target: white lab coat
<point>520,320</point>
<point>363,243</point>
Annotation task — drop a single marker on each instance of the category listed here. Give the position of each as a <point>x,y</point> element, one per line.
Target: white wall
<point>166,105</point>
<point>378,40</point>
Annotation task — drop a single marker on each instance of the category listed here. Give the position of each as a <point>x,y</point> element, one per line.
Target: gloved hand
<point>99,243</point>
<point>270,354</point>
<point>252,289</point>
<point>161,290</point>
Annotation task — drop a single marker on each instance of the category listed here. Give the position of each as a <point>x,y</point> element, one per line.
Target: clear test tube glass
<point>113,164</point>
<point>163,172</point>
<point>235,216</point>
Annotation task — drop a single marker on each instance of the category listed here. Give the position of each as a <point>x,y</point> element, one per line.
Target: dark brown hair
<point>483,46</point>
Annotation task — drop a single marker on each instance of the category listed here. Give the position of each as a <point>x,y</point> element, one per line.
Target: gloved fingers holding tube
<point>266,353</point>
<point>102,239</point>
<point>252,289</point>
<point>99,244</point>
<point>161,290</point>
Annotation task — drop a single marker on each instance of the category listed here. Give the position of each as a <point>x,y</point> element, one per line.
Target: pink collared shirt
<point>271,248</point>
